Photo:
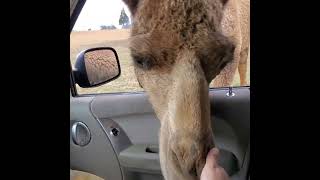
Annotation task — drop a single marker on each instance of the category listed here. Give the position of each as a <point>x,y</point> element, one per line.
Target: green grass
<point>127,81</point>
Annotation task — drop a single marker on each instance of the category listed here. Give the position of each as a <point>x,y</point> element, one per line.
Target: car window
<point>104,23</point>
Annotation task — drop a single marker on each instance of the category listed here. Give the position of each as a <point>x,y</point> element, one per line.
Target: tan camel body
<point>178,48</point>
<point>236,25</point>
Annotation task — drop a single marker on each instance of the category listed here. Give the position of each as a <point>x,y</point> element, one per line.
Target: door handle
<point>80,133</point>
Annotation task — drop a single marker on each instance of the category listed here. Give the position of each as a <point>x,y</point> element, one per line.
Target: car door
<point>114,131</point>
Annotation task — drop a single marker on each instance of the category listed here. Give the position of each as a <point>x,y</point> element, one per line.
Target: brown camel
<point>178,48</point>
<point>236,25</point>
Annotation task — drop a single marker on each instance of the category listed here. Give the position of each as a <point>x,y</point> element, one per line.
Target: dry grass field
<point>118,39</point>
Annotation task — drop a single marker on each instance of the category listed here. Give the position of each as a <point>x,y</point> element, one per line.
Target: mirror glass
<point>101,65</point>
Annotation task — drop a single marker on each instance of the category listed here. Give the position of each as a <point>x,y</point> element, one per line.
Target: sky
<point>100,12</point>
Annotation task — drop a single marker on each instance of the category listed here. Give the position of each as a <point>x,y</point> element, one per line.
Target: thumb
<point>212,158</point>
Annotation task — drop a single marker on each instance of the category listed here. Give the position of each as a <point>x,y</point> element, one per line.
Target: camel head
<point>178,48</point>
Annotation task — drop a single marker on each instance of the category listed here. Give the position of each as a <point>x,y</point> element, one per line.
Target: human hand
<point>212,170</point>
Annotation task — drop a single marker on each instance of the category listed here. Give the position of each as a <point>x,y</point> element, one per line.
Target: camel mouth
<point>182,165</point>
<point>189,155</point>
<point>188,163</point>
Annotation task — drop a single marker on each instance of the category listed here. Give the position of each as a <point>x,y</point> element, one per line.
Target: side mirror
<point>96,66</point>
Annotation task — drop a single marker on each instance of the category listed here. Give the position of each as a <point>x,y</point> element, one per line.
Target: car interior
<point>115,135</point>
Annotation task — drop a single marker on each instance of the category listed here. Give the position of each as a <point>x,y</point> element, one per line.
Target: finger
<point>212,157</point>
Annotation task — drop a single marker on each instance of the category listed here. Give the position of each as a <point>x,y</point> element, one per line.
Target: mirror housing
<point>96,66</point>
